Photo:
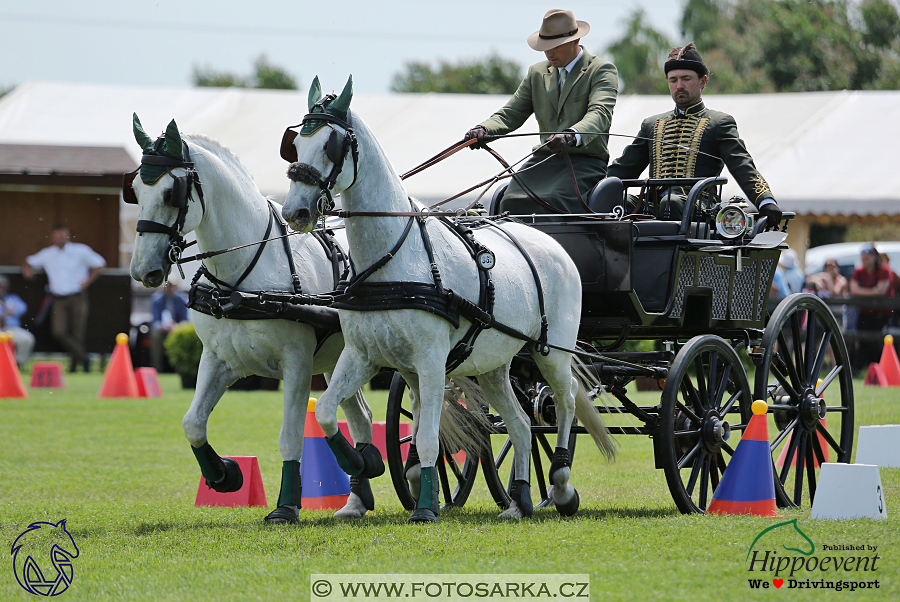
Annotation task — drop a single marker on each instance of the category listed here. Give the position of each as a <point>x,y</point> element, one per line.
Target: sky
<point>158,43</point>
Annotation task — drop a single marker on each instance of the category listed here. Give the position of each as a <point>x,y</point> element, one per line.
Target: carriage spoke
<point>702,395</point>
<point>820,428</point>
<point>538,466</point>
<point>798,473</point>
<point>692,395</point>
<point>810,343</point>
<point>727,407</point>
<point>407,413</point>
<point>445,482</point>
<point>827,380</point>
<point>783,381</point>
<point>789,456</point>
<point>695,472</point>
<point>712,380</point>
<point>704,480</point>
<point>820,357</point>
<point>687,457</point>
<point>727,448</point>
<point>785,432</point>
<point>783,354</point>
<point>720,390</point>
<point>504,451</point>
<point>454,467</point>
<point>689,413</point>
<point>545,445</point>
<point>811,469</point>
<point>718,468</point>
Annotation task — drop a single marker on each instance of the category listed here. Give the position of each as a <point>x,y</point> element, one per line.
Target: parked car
<point>847,255</point>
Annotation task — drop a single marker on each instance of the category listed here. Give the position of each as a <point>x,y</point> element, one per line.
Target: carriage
<point>698,290</point>
<point>695,289</point>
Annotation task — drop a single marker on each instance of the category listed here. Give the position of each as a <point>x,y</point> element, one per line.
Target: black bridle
<point>335,150</point>
<point>177,197</point>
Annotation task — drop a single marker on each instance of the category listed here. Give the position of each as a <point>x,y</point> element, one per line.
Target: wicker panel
<point>744,294</point>
<point>685,279</point>
<point>716,277</point>
<point>767,266</point>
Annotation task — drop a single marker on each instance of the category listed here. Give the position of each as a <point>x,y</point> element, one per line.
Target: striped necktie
<point>563,73</point>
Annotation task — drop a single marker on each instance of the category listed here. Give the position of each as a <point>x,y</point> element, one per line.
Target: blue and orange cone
<point>325,486</point>
<point>748,484</point>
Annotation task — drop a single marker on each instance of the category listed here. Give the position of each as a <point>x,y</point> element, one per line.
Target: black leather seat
<point>607,194</point>
<point>494,207</point>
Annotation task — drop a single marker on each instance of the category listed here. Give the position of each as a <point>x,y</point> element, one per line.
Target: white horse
<point>218,200</point>
<point>417,343</point>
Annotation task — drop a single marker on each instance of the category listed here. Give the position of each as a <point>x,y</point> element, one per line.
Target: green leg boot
<point>289,498</point>
<point>429,504</point>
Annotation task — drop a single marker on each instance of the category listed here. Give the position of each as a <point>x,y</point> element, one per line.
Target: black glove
<point>558,143</point>
<point>476,133</point>
<point>772,213</point>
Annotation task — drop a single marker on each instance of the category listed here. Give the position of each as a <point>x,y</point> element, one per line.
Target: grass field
<point>121,472</point>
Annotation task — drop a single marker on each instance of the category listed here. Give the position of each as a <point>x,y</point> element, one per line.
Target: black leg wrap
<point>374,465</point>
<point>561,459</point>
<point>211,465</point>
<point>428,505</point>
<point>350,460</point>
<point>290,496</point>
<point>520,492</point>
<point>234,478</point>
<point>361,487</point>
<point>412,458</point>
<point>570,508</point>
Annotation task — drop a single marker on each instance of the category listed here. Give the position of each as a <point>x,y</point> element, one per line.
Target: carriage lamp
<point>734,219</point>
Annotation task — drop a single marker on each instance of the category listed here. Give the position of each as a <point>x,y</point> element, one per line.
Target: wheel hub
<point>812,409</point>
<point>543,408</point>
<point>715,430</point>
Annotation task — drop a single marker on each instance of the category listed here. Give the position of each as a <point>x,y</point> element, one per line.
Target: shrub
<point>183,348</point>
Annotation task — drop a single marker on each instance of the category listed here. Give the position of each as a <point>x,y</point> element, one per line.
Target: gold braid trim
<point>670,161</point>
<point>760,186</point>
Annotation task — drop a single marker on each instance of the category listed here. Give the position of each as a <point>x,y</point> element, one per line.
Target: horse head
<point>41,545</point>
<point>163,191</point>
<point>317,156</point>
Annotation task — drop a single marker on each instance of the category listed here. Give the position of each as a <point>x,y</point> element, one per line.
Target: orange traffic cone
<point>748,484</point>
<point>119,380</point>
<point>11,384</point>
<point>889,362</point>
<point>324,485</point>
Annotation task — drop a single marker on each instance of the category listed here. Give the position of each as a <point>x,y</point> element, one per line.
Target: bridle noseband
<point>180,196</point>
<point>335,149</point>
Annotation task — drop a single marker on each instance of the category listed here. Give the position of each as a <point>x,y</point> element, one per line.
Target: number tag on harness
<point>485,259</point>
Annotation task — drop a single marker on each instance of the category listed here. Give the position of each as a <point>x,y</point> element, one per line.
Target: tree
<point>493,76</point>
<point>265,75</point>
<point>639,56</point>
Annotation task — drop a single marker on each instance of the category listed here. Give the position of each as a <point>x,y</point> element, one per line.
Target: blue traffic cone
<point>748,484</point>
<point>324,485</point>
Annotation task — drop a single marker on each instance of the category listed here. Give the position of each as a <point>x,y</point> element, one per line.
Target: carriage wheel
<point>456,479</point>
<point>706,399</point>
<point>540,408</point>
<point>804,375</point>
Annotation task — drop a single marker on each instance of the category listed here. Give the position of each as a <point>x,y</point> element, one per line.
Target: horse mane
<point>212,145</point>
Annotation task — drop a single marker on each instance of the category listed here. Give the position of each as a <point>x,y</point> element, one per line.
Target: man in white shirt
<point>71,268</point>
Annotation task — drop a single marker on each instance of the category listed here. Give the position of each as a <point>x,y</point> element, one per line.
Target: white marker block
<point>879,445</point>
<point>849,491</point>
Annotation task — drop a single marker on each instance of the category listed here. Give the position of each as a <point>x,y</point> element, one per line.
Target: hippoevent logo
<point>42,558</point>
<point>784,556</point>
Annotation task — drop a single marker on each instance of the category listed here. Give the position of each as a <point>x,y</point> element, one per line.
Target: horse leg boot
<point>350,373</point>
<point>290,496</point>
<point>428,505</point>
<point>560,469</point>
<point>221,474</point>
<point>359,420</point>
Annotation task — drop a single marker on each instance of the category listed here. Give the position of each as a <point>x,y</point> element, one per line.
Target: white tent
<point>823,153</point>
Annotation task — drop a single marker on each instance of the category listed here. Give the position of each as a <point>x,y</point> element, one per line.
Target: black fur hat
<point>686,57</point>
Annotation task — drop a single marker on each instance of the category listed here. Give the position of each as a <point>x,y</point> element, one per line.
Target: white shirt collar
<point>575,60</point>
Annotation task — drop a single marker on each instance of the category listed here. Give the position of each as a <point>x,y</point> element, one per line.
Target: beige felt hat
<point>559,27</point>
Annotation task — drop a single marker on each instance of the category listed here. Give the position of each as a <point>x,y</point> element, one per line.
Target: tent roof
<point>821,152</point>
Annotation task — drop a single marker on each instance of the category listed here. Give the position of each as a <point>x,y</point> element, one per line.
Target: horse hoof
<point>422,515</point>
<point>570,507</point>
<point>363,490</point>
<point>234,478</point>
<point>513,513</point>
<point>282,515</point>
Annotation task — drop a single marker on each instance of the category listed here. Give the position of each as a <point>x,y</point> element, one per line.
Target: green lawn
<point>121,473</point>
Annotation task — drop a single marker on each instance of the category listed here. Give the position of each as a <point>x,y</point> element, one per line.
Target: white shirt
<point>66,268</point>
<point>568,69</point>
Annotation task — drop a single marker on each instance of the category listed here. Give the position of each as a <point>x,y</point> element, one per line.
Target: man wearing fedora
<point>692,141</point>
<point>572,93</point>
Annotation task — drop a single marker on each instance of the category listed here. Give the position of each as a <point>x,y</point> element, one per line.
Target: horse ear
<point>342,103</point>
<point>143,140</point>
<point>315,93</point>
<point>173,141</point>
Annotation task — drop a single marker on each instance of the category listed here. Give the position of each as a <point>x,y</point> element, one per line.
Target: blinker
<point>334,148</point>
<point>288,150</point>
<point>127,187</point>
<point>180,188</point>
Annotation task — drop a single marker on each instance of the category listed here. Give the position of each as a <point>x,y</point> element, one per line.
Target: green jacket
<point>712,133</point>
<point>585,103</point>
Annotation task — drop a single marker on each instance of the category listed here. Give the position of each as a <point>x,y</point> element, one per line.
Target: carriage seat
<point>607,194</point>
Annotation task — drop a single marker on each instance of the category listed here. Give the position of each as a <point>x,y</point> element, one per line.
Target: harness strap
<point>282,226</point>
<point>359,278</point>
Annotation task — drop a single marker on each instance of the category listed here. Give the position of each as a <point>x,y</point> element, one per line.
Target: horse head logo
<point>36,550</point>
<point>804,545</point>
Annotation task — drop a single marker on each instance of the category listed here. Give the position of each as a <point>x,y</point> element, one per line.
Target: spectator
<point>71,267</point>
<point>829,282</point>
<point>12,308</point>
<point>168,307</point>
<point>871,279</point>
<point>895,285</point>
<point>793,274</point>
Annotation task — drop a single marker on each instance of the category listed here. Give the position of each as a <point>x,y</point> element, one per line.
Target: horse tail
<point>464,423</point>
<point>586,380</point>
